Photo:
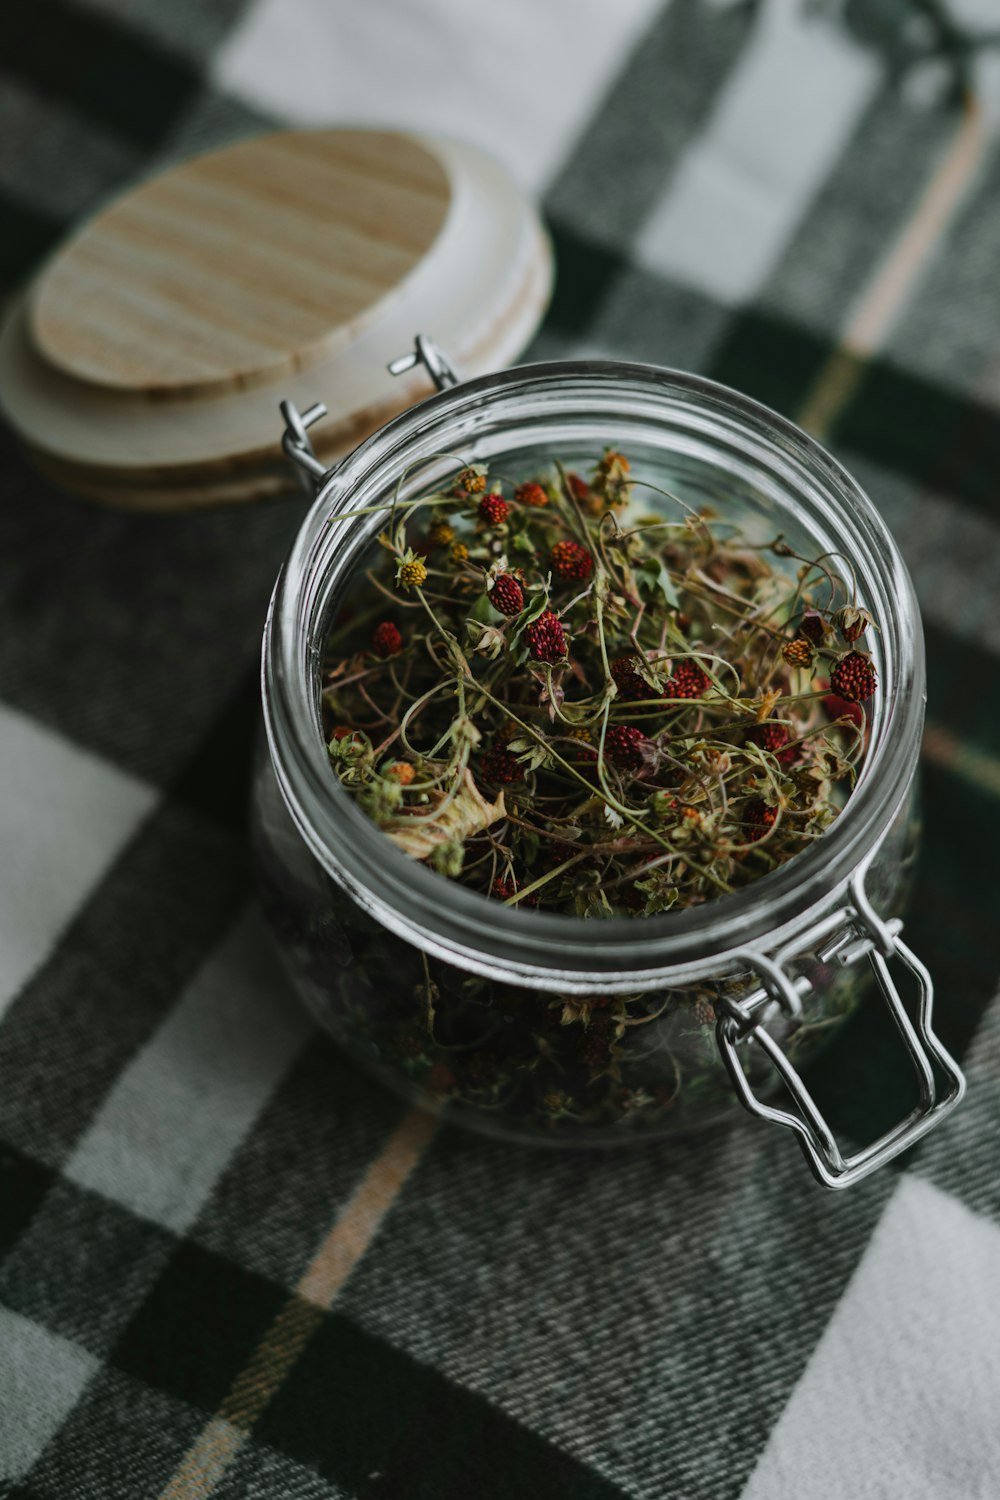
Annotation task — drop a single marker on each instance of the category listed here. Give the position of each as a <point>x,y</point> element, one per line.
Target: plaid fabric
<point>229,1265</point>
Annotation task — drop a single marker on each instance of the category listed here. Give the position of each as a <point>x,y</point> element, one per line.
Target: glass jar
<point>559,1029</point>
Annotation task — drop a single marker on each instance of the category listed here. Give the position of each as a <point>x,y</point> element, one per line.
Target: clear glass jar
<point>520,1022</point>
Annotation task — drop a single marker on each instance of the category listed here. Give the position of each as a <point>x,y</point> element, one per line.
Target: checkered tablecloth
<point>229,1264</point>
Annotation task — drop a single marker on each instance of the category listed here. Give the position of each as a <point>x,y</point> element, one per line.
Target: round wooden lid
<point>145,364</point>
<point>242,265</point>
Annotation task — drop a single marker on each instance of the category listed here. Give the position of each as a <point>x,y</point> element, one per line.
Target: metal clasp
<point>846,935</point>
<point>425,352</point>
<point>296,441</point>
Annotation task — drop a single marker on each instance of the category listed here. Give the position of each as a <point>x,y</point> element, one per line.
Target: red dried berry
<point>500,765</point>
<point>571,562</point>
<point>839,708</point>
<point>579,488</point>
<point>503,890</point>
<point>630,685</point>
<point>623,746</point>
<point>853,678</point>
<point>546,638</point>
<point>774,737</point>
<point>493,509</point>
<point>852,622</point>
<point>595,1049</point>
<point>758,819</point>
<point>387,639</point>
<point>531,494</point>
<point>687,681</point>
<point>506,595</point>
<point>813,626</point>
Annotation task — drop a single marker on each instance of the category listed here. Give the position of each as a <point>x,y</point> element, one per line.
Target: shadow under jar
<point>554,1028</point>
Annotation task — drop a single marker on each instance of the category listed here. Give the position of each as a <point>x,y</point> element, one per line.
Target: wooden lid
<point>145,364</point>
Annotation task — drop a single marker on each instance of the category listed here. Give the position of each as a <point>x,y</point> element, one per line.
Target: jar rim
<point>547,950</point>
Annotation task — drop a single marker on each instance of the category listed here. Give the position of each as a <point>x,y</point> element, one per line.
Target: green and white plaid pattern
<point>229,1265</point>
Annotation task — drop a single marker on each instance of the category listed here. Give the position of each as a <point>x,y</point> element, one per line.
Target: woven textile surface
<point>230,1265</point>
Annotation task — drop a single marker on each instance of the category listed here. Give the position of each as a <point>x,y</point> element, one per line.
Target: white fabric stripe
<point>518,79</point>
<point>777,129</point>
<point>900,1396</point>
<point>64,815</point>
<point>177,1113</point>
<point>42,1377</point>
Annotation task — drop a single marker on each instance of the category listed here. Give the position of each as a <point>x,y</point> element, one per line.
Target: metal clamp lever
<point>297,443</point>
<point>857,931</point>
<point>425,352</point>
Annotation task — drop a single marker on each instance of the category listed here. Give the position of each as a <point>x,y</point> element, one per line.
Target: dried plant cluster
<point>566,702</point>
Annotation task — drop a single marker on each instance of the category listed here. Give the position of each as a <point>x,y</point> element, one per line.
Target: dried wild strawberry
<point>386,639</point>
<point>853,678</point>
<point>630,685</point>
<point>798,652</point>
<point>500,765</point>
<point>411,573</point>
<point>493,509</point>
<point>504,889</point>
<point>571,562</point>
<point>703,1011</point>
<point>585,747</point>
<point>813,627</point>
<point>758,819</point>
<point>440,533</point>
<point>852,623</point>
<point>546,638</point>
<point>472,480</point>
<point>531,494</point>
<point>836,707</point>
<point>402,772</point>
<point>687,681</point>
<point>506,595</point>
<point>623,746</point>
<point>774,737</point>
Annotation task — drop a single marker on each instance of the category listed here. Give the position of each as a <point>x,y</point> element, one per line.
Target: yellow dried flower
<point>472,479</point>
<point>611,484</point>
<point>459,553</point>
<point>798,652</point>
<point>410,573</point>
<point>441,533</point>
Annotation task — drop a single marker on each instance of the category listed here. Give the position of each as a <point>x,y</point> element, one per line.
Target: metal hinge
<point>848,934</point>
<point>296,441</point>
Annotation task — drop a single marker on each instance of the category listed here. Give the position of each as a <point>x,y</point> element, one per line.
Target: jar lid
<point>145,363</point>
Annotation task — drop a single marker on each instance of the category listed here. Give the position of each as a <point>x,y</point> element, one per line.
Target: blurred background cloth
<point>228,1263</point>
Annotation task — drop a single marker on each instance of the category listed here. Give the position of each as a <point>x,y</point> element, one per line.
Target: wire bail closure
<point>847,934</point>
<point>296,442</point>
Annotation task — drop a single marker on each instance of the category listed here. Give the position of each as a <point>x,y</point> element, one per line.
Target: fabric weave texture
<point>229,1264</point>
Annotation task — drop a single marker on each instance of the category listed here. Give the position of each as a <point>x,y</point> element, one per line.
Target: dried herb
<point>566,702</point>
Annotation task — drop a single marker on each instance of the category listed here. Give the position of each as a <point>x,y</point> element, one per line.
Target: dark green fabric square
<point>126,83</point>
<point>379,1423</point>
<point>946,440</point>
<point>199,1327</point>
<point>772,360</point>
<point>23,1185</point>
